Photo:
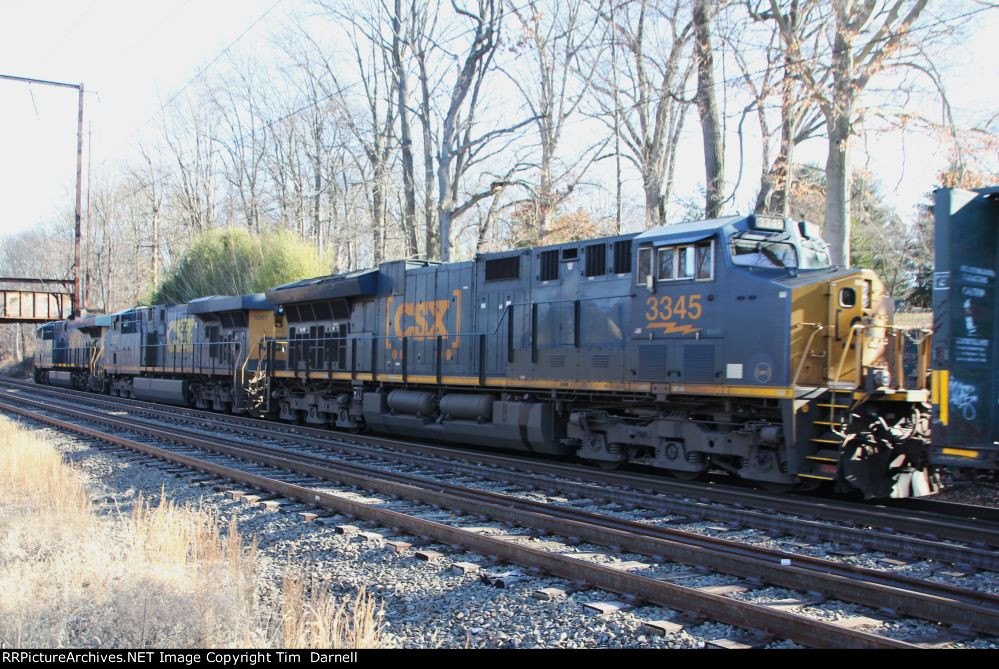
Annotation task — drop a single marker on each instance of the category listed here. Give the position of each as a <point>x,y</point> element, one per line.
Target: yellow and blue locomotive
<point>726,344</point>
<point>729,344</point>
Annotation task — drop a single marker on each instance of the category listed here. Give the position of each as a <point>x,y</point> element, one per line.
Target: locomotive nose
<point>839,330</point>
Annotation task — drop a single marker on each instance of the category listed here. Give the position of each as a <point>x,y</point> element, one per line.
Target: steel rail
<point>922,523</point>
<point>923,599</point>
<point>817,531</point>
<point>738,613</point>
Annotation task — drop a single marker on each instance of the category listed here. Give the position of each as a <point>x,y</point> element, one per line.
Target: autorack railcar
<point>965,314</point>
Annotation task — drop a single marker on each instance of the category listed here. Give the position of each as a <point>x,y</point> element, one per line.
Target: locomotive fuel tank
<point>468,406</point>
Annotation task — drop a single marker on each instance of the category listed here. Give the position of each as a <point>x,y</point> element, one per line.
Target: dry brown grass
<point>311,617</point>
<point>161,576</point>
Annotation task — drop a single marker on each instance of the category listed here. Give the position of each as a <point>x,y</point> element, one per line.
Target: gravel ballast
<point>426,603</point>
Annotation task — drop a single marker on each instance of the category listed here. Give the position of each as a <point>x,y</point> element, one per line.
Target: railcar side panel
<point>965,317</point>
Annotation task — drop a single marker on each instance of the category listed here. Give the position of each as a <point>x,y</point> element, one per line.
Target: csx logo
<point>180,334</point>
<point>421,320</point>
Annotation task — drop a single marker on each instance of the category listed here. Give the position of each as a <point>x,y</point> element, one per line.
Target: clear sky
<point>133,55</point>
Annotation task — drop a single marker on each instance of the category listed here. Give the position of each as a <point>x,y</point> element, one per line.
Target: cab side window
<point>686,262</point>
<point>644,264</point>
<point>666,265</point>
<point>704,260</point>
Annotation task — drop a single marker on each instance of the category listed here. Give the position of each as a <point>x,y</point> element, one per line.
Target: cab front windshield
<point>776,250</point>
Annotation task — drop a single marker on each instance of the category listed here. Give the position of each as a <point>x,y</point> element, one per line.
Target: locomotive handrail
<point>818,327</point>
<point>196,348</point>
<point>846,348</point>
<point>898,367</point>
<point>94,357</point>
<point>246,361</point>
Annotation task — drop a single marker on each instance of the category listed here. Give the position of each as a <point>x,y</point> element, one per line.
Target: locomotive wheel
<point>297,420</point>
<point>607,464</point>
<point>781,488</point>
<point>685,475</point>
<point>807,484</point>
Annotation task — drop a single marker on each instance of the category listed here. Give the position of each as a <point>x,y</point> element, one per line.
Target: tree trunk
<point>777,179</point>
<point>654,209</point>
<point>707,107</point>
<point>546,195</point>
<point>406,137</point>
<point>429,201</point>
<point>156,246</point>
<point>377,226</point>
<point>837,227</point>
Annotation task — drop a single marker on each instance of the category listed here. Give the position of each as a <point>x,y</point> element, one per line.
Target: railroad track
<point>924,599</point>
<point>917,533</point>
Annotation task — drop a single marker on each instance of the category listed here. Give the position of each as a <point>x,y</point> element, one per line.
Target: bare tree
<point>420,37</point>
<point>400,75</point>
<point>188,137</point>
<point>793,24</point>
<point>656,38</point>
<point>555,44</point>
<point>859,40</point>
<point>241,137</point>
<point>374,130</point>
<point>461,147</point>
<point>149,182</point>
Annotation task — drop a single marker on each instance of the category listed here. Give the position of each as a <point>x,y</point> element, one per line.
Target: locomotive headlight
<point>881,378</point>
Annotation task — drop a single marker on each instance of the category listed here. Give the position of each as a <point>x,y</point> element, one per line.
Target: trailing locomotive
<point>729,344</point>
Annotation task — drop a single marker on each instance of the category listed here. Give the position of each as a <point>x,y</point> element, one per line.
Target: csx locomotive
<point>727,345</point>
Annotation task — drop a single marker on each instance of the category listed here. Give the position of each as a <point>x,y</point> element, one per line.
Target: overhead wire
<point>190,81</point>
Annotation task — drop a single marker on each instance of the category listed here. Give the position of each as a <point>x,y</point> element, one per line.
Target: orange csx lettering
<point>421,318</point>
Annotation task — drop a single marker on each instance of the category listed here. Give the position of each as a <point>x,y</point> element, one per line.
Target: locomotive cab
<point>821,383</point>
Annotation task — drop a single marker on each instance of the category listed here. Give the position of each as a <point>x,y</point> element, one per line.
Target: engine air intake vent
<point>622,257</point>
<point>652,362</point>
<point>699,363</point>
<point>549,265</point>
<point>503,268</point>
<point>596,260</point>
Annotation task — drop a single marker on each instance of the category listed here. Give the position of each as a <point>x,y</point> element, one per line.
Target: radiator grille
<point>600,361</point>
<point>557,360</point>
<point>652,362</point>
<point>699,362</point>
